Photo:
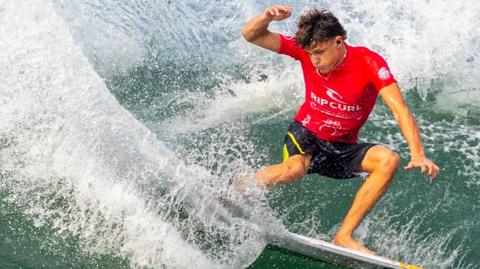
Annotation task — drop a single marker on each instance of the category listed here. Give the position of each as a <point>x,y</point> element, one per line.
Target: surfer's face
<point>325,55</point>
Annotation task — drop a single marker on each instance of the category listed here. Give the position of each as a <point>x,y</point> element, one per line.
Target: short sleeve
<point>379,71</point>
<point>288,47</point>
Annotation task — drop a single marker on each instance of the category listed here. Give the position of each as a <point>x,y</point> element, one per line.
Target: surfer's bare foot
<point>242,183</point>
<point>227,203</point>
<point>349,242</point>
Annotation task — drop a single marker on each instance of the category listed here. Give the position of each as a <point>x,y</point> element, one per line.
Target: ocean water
<point>122,122</point>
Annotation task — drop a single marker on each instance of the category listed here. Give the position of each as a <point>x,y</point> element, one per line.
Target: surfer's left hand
<point>425,165</point>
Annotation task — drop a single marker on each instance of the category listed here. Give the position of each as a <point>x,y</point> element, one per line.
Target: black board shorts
<point>330,159</point>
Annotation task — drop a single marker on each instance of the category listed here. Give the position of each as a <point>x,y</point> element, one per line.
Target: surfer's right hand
<point>425,165</point>
<point>278,13</point>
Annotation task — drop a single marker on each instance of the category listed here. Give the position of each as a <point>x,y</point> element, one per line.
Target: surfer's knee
<point>389,161</point>
<point>288,171</point>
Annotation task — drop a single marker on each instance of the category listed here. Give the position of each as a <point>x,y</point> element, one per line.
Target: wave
<point>76,161</point>
<point>65,139</point>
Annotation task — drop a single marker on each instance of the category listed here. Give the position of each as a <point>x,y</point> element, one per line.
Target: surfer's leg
<point>299,146</point>
<point>288,171</point>
<point>382,164</point>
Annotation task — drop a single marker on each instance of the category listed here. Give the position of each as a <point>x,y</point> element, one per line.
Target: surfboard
<point>319,249</point>
<point>328,252</point>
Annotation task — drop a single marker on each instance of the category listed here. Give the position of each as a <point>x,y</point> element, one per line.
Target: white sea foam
<point>407,243</point>
<point>75,160</point>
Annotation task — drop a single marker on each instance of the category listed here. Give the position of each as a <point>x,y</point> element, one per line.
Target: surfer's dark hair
<point>317,26</point>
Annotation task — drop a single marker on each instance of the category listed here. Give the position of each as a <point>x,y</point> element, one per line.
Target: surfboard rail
<point>331,253</point>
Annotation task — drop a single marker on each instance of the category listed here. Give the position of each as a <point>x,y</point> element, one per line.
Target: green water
<point>122,122</point>
<point>444,213</point>
<point>435,224</point>
<point>24,245</point>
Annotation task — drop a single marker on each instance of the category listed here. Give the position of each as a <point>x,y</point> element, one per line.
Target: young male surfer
<point>342,83</point>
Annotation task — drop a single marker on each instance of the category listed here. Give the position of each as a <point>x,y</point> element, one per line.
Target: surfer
<point>342,83</point>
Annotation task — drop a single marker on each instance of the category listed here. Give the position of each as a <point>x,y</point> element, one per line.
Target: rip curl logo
<point>384,74</point>
<point>334,95</point>
<point>336,104</point>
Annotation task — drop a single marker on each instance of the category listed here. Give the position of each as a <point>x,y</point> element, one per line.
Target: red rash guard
<point>338,104</point>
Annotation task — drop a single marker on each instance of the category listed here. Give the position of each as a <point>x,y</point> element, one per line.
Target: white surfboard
<point>322,250</point>
<point>331,253</point>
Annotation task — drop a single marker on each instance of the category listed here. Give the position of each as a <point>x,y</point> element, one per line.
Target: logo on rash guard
<point>306,120</point>
<point>336,104</point>
<point>384,74</point>
<point>332,127</point>
<point>334,95</point>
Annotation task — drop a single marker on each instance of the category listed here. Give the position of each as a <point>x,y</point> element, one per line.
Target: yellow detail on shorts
<point>285,152</point>
<point>295,142</point>
<point>408,266</point>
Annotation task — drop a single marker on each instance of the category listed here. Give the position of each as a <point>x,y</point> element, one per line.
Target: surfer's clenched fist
<point>256,30</point>
<point>278,13</point>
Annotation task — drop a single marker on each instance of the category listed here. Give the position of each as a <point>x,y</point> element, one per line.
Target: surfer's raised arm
<point>256,30</point>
